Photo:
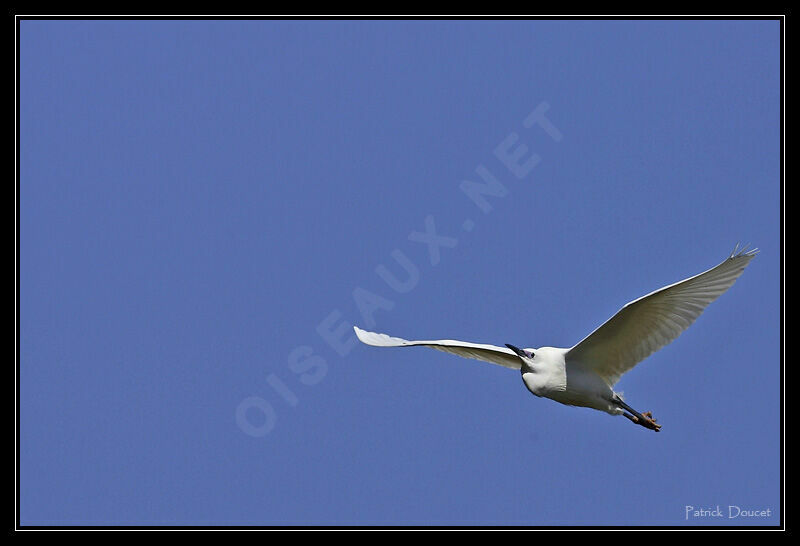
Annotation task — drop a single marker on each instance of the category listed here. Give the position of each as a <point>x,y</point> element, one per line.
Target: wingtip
<point>745,250</point>
<point>368,338</point>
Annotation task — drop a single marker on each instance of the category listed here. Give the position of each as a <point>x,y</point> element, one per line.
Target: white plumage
<point>585,374</point>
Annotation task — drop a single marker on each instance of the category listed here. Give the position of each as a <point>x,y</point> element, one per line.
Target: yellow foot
<point>650,422</point>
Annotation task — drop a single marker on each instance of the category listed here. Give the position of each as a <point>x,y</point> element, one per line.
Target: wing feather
<point>487,353</point>
<point>649,323</point>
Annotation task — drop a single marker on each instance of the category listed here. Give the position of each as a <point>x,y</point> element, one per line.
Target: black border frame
<point>17,527</point>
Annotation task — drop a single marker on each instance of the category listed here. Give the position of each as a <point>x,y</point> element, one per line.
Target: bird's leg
<point>631,417</point>
<point>644,419</point>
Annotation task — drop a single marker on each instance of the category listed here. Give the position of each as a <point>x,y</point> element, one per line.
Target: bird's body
<point>584,375</point>
<point>548,376</point>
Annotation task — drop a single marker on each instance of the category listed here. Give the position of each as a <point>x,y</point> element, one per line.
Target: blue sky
<point>205,207</point>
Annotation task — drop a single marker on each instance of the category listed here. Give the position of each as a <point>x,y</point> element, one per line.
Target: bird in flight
<point>585,375</point>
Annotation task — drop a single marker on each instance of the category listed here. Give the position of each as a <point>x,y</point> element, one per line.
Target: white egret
<point>585,374</point>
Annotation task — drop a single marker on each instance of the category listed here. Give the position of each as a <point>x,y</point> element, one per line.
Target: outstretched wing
<point>487,353</point>
<point>645,325</point>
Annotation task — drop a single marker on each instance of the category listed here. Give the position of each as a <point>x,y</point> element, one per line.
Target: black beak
<point>517,350</point>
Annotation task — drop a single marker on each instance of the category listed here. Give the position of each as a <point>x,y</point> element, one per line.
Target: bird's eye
<point>530,353</point>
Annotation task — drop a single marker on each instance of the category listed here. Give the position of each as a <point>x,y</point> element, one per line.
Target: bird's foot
<point>649,422</point>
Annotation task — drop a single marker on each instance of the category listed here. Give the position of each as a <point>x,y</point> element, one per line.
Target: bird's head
<point>526,355</point>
